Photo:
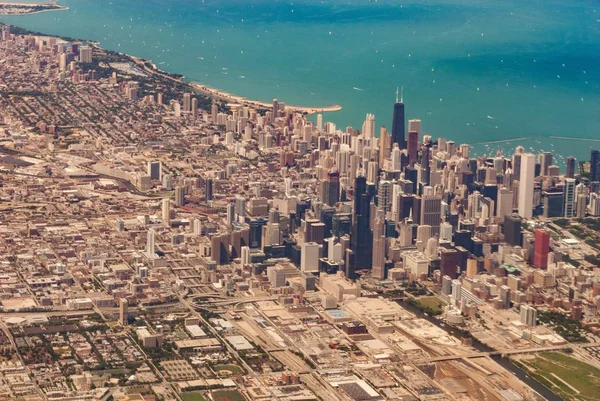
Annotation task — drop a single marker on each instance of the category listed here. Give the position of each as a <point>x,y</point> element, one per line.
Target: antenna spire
<point>396,94</point>
<point>402,95</point>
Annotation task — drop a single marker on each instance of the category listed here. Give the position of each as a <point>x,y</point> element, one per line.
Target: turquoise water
<point>474,71</point>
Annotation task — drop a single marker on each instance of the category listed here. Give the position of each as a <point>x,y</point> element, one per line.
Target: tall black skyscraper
<point>571,162</point>
<point>595,166</point>
<point>512,230</point>
<point>398,126</point>
<point>361,239</point>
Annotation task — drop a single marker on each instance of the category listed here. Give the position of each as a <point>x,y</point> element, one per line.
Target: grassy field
<point>231,395</point>
<point>432,303</point>
<point>234,369</point>
<point>192,397</point>
<point>569,378</point>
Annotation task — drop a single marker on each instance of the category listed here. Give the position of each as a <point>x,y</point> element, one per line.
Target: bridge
<point>492,353</point>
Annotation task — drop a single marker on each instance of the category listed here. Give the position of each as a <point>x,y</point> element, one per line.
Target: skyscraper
<point>398,127</point>
<point>526,181</point>
<point>448,262</point>
<point>384,196</point>
<point>150,251</point>
<point>571,162</point>
<point>368,128</point>
<point>545,160</point>
<point>595,166</point>
<point>179,196</point>
<point>361,238</point>
<point>541,249</point>
<point>413,146</point>
<point>379,243</point>
<point>187,102</point>
<point>431,210</point>
<point>309,258</point>
<point>155,170</point>
<point>414,126</point>
<point>333,193</point>
<point>570,198</point>
<point>516,162</point>
<point>512,230</point>
<point>123,312</point>
<point>85,54</point>
<point>275,110</point>
<point>166,210</point>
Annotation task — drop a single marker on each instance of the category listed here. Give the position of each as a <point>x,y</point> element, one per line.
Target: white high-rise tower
<point>526,181</point>
<point>150,251</point>
<point>369,126</point>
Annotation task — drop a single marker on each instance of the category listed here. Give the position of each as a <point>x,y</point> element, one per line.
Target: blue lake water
<point>495,74</point>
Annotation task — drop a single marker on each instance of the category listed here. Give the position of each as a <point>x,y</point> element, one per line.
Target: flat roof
<point>239,343</point>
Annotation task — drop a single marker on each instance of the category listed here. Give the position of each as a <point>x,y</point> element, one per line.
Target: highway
<point>492,353</point>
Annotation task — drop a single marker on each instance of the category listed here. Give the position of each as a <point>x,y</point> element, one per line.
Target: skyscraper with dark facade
<point>571,162</point>
<point>512,230</point>
<point>398,124</point>
<point>413,147</point>
<point>595,166</point>
<point>361,241</point>
<point>330,189</point>
<point>448,262</point>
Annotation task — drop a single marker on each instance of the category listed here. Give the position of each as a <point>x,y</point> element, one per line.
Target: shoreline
<point>53,3</point>
<point>222,95</point>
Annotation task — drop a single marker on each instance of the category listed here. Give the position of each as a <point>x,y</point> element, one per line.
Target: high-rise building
<point>398,124</point>
<point>541,249</point>
<point>155,170</point>
<point>194,106</point>
<point>230,213</point>
<point>545,160</point>
<point>331,192</point>
<point>415,126</point>
<point>309,257</point>
<point>512,230</point>
<point>431,210</point>
<point>179,196</point>
<point>570,198</point>
<point>385,146</point>
<point>166,210</point>
<point>209,189</point>
<point>379,242</point>
<point>214,111</point>
<point>516,162</point>
<point>528,315</point>
<point>368,128</point>
<point>595,166</point>
<point>554,201</point>
<point>150,251</point>
<point>526,181</point>
<point>571,164</point>
<point>384,196</point>
<point>361,237</point>
<point>275,110</point>
<point>187,102</point>
<point>413,146</point>
<point>594,208</point>
<point>505,203</point>
<point>448,262</point>
<point>85,54</point>
<point>123,312</point>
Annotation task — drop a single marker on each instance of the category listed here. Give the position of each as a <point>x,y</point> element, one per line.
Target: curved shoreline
<point>215,93</point>
<point>221,95</point>
<point>53,3</point>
